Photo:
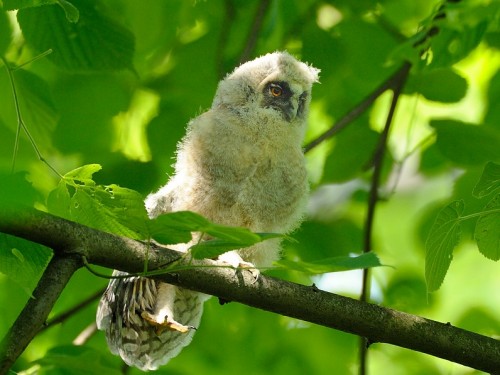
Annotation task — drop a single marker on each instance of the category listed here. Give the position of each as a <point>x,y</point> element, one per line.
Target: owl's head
<point>276,83</point>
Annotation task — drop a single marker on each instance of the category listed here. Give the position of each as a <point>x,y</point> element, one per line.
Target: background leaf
<point>335,264</point>
<point>487,232</point>
<point>95,42</point>
<point>489,182</point>
<point>466,144</point>
<point>441,241</point>
<point>22,261</point>
<point>442,85</point>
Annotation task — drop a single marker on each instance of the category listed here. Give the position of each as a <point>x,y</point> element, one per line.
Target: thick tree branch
<point>34,314</point>
<point>377,323</point>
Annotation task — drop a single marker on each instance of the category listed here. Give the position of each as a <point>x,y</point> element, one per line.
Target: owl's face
<point>275,85</point>
<point>287,98</point>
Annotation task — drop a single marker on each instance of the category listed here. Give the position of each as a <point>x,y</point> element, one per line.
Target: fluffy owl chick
<point>240,164</point>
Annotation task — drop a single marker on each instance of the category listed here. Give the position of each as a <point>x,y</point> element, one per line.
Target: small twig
<point>227,25</point>
<point>86,334</point>
<point>34,314</point>
<point>20,121</point>
<point>357,110</point>
<point>71,311</point>
<point>253,34</point>
<point>378,159</point>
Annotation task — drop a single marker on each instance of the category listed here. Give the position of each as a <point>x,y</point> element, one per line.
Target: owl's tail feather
<point>141,344</point>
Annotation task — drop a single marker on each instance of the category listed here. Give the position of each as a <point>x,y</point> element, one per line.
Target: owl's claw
<point>238,263</point>
<point>168,323</point>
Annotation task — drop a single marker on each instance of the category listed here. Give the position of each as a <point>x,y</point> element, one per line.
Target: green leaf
<point>214,248</point>
<point>72,359</point>
<point>487,232</point>
<point>489,181</point>
<point>442,239</point>
<point>72,13</point>
<point>334,264</point>
<point>14,190</point>
<point>441,85</point>
<point>94,43</point>
<point>176,227</point>
<point>84,174</point>
<point>161,231</point>
<point>23,267</point>
<point>37,106</point>
<point>5,32</point>
<point>109,208</point>
<point>353,150</point>
<point>59,201</point>
<point>21,4</point>
<point>466,144</point>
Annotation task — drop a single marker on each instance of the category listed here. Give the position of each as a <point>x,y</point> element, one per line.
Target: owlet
<point>240,164</point>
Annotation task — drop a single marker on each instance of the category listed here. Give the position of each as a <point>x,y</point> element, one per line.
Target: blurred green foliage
<point>120,81</point>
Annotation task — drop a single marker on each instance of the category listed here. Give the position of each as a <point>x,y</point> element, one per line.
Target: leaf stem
<point>479,214</point>
<point>20,122</point>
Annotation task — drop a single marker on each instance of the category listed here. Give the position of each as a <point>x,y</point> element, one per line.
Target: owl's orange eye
<point>275,90</point>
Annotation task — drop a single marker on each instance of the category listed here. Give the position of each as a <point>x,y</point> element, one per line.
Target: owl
<point>240,164</point>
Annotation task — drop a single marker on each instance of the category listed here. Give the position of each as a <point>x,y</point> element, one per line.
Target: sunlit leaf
<point>59,201</point>
<point>109,208</point>
<point>442,239</point>
<point>84,173</point>
<point>5,32</point>
<point>487,232</point>
<point>489,181</point>
<point>335,264</point>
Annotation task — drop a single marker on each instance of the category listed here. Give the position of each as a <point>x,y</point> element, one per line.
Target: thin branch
<point>86,334</point>
<point>375,322</point>
<point>34,314</point>
<point>227,24</point>
<point>253,34</point>
<point>73,310</point>
<point>378,161</point>
<point>357,110</point>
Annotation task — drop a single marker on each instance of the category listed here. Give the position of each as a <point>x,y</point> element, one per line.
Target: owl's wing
<point>129,335</point>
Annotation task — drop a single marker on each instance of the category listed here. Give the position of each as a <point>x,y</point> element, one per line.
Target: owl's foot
<point>235,261</point>
<point>168,323</point>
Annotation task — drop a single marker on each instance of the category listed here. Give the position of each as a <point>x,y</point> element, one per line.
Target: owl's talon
<point>169,324</point>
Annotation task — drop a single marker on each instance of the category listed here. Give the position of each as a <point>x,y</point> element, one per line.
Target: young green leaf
<point>489,181</point>
<point>214,248</point>
<point>83,174</point>
<point>164,230</point>
<point>110,208</point>
<point>334,264</point>
<point>487,232</point>
<point>442,239</point>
